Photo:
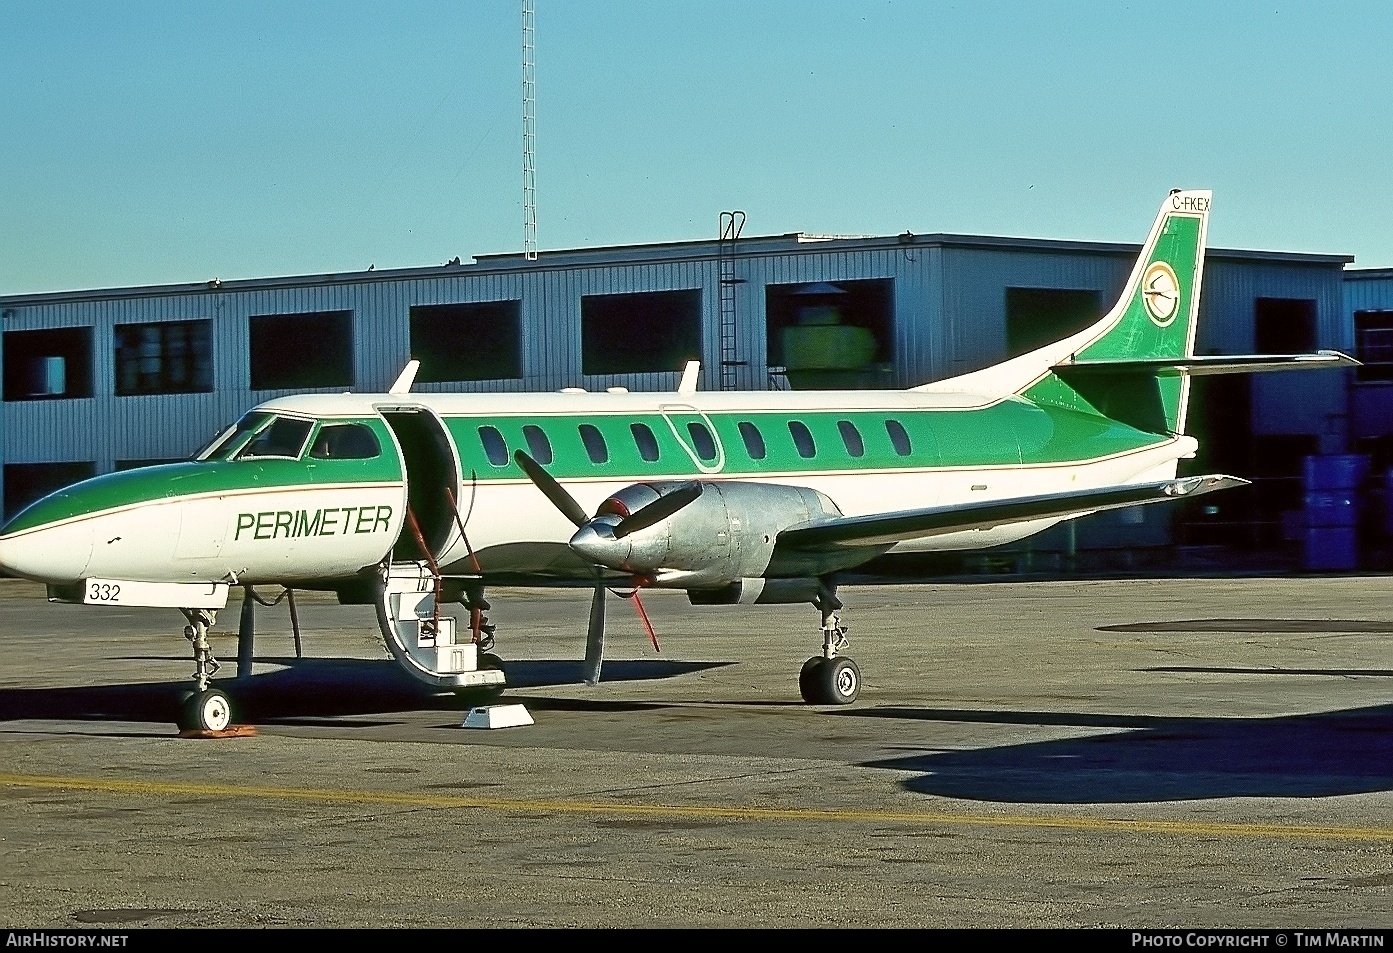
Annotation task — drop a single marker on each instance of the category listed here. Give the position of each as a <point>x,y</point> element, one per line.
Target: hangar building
<point>104,379</point>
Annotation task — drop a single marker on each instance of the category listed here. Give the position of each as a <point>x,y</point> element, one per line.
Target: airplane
<point>418,502</point>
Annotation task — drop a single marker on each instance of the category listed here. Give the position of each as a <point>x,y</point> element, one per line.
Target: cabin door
<point>432,479</point>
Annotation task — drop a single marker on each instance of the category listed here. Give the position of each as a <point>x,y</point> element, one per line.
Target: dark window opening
<point>899,437</point>
<point>802,439</point>
<point>284,438</point>
<point>594,442</point>
<point>164,357</point>
<point>852,438</point>
<point>345,442</point>
<point>645,441</point>
<point>48,364</point>
<point>754,440</point>
<point>1284,325</point>
<point>314,349</point>
<point>477,341</point>
<point>828,336</point>
<point>702,441</point>
<point>640,333</point>
<point>27,482</point>
<point>1373,345</point>
<point>537,444</point>
<point>1039,316</point>
<point>495,447</point>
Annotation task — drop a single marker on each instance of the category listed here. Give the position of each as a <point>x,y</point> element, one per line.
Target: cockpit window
<point>345,442</point>
<point>233,437</point>
<point>284,438</point>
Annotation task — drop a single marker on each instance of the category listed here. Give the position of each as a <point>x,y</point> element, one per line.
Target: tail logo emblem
<point>1160,292</point>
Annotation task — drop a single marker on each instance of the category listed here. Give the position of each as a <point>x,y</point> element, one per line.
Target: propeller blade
<point>246,634</point>
<point>595,638</point>
<point>657,511</point>
<point>553,491</point>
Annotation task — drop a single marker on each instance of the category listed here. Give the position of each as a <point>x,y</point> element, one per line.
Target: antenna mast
<point>529,133</point>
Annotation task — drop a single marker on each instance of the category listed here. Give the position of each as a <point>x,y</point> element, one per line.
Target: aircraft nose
<point>47,553</point>
<point>595,541</point>
<point>39,544</point>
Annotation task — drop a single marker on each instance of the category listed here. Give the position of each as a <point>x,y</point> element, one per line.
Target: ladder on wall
<point>731,224</point>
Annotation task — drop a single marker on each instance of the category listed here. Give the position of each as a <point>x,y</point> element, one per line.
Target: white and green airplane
<point>415,502</point>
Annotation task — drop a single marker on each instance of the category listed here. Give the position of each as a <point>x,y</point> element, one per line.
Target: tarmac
<point>1138,753</point>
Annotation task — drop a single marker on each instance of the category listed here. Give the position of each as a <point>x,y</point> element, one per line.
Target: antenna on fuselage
<point>688,384</point>
<point>405,378</point>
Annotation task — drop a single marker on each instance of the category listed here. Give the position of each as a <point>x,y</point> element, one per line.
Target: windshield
<point>284,438</point>
<point>233,437</point>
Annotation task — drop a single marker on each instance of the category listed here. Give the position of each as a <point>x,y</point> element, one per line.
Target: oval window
<point>754,440</point>
<point>594,442</point>
<point>345,442</point>
<point>645,441</point>
<point>802,439</point>
<point>899,437</point>
<point>852,438</point>
<point>702,441</point>
<point>537,444</point>
<point>495,447</point>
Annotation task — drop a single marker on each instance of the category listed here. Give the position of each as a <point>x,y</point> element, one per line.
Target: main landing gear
<point>207,709</point>
<point>829,678</point>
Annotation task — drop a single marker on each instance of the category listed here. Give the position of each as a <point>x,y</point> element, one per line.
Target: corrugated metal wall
<point>949,318</point>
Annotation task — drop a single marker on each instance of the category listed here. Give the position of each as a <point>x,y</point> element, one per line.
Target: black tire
<point>208,710</point>
<point>808,680</point>
<point>839,681</point>
<point>491,661</point>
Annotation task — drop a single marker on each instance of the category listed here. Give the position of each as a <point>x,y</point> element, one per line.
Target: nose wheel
<point>208,710</point>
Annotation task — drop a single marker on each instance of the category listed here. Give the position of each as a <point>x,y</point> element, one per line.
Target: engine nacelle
<point>726,534</point>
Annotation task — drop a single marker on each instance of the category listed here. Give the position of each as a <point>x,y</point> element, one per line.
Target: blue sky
<point>146,143</point>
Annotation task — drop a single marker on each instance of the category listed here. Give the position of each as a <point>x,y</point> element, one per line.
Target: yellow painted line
<point>512,805</point>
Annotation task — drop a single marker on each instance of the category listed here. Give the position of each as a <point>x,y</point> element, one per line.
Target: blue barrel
<point>1336,471</point>
<point>1332,547</point>
<point>1328,508</point>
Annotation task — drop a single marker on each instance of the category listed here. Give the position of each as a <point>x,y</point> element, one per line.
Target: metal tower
<point>529,133</point>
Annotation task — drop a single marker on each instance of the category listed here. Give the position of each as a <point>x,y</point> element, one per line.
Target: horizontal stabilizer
<point>1199,366</point>
<point>884,528</point>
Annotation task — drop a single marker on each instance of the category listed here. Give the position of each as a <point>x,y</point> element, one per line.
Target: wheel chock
<point>497,716</point>
<point>231,731</point>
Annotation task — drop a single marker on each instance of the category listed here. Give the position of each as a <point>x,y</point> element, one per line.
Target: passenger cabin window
<point>645,441</point>
<point>754,440</point>
<point>702,441</point>
<point>852,438</point>
<point>899,437</point>
<point>802,439</point>
<point>284,438</point>
<point>594,442</point>
<point>345,442</point>
<point>537,444</point>
<point>495,447</point>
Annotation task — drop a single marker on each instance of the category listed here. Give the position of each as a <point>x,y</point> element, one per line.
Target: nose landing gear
<point>207,709</point>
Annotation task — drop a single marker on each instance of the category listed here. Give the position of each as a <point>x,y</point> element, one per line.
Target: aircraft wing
<point>885,528</point>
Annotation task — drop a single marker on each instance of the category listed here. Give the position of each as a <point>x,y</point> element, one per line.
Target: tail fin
<point>1153,319</point>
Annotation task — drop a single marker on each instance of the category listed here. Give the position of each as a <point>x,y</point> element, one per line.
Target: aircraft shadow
<point>307,689</point>
<point>1145,758</point>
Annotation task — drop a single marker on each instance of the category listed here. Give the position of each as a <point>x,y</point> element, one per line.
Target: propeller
<point>642,518</point>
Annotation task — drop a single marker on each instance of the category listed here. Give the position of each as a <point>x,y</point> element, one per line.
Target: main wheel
<point>208,710</point>
<point>808,681</point>
<point>838,681</point>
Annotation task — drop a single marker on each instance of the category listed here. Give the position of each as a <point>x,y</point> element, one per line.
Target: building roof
<point>656,253</point>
